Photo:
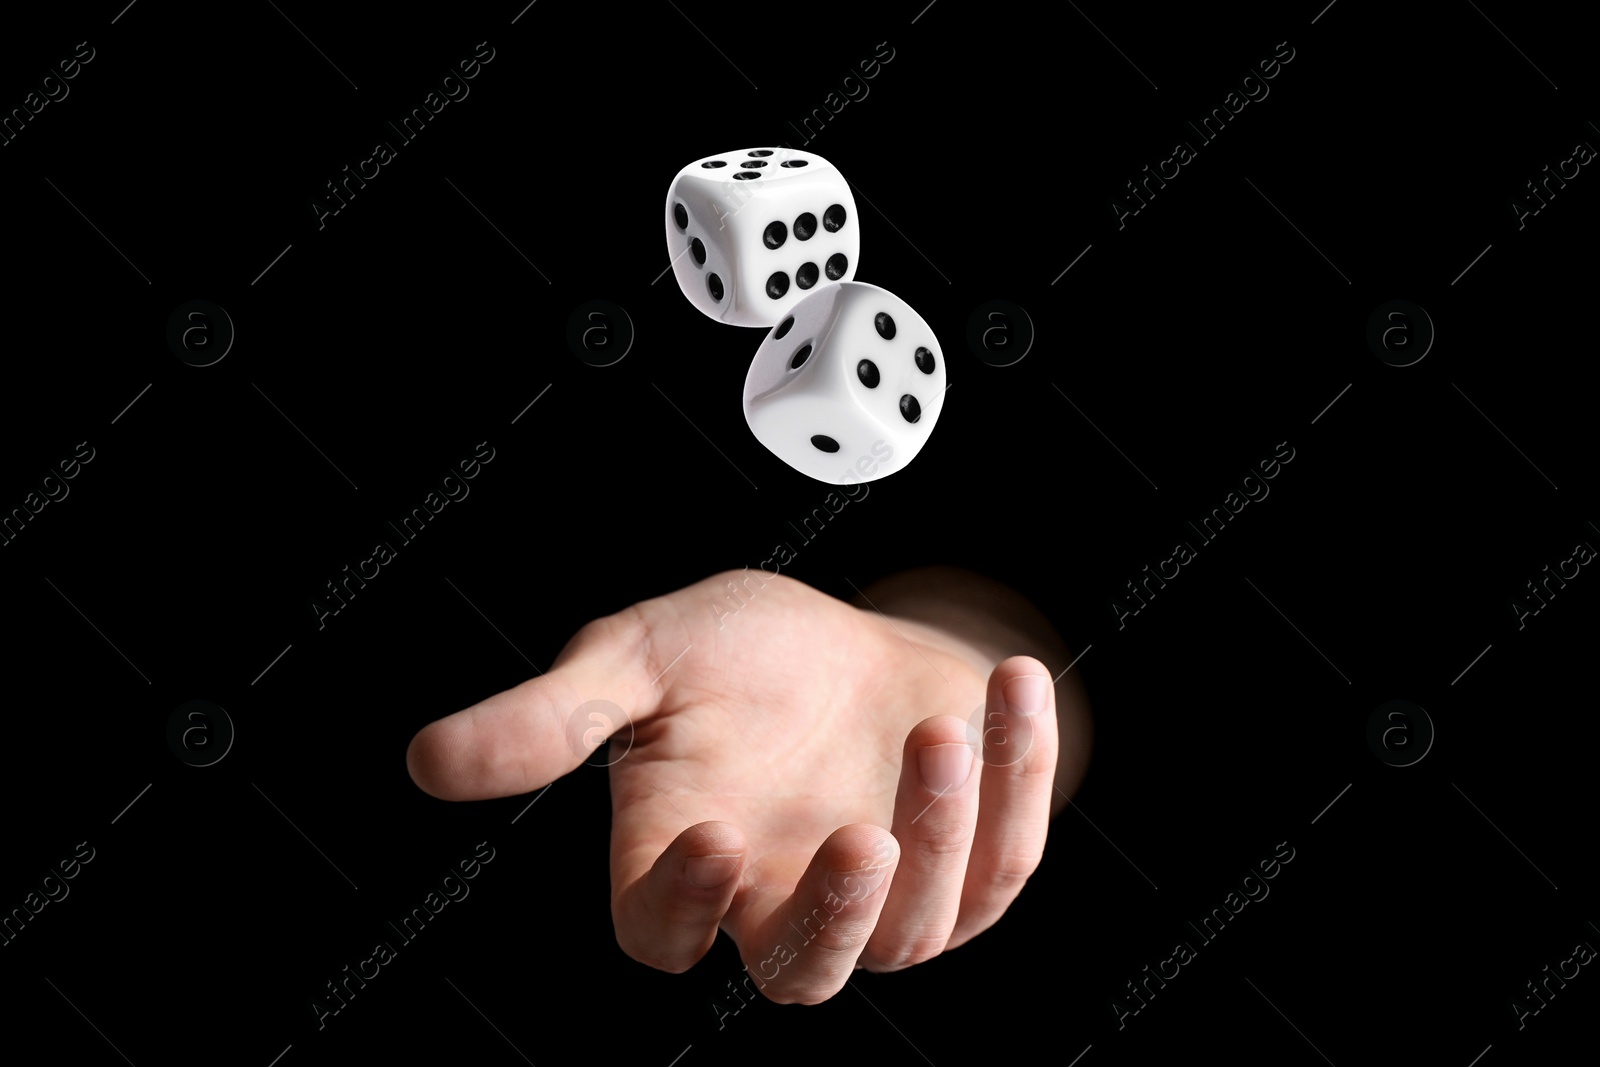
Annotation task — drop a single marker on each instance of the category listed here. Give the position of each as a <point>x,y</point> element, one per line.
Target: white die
<point>751,232</point>
<point>848,386</point>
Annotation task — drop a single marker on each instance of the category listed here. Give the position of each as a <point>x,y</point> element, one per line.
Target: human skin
<point>880,776</point>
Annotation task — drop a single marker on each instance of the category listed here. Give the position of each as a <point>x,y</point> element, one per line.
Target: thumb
<point>526,737</point>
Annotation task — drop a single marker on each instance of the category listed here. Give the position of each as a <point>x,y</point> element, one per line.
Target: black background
<point>985,156</point>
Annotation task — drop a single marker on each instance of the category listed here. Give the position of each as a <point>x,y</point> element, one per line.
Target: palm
<point>787,721</point>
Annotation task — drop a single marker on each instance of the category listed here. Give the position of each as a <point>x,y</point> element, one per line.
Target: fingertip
<point>859,859</point>
<point>426,762</point>
<point>1019,713</point>
<point>858,840</point>
<point>937,730</point>
<point>712,854</point>
<point>941,748</point>
<point>1025,685</point>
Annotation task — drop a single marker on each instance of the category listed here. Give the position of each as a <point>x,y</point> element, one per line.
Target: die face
<point>848,387</point>
<point>763,241</point>
<point>892,364</point>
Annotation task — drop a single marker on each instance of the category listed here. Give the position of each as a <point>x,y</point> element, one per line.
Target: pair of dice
<point>849,381</point>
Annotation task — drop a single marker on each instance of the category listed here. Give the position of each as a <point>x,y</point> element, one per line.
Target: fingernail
<point>709,871</point>
<point>859,884</point>
<point>1028,694</point>
<point>945,767</point>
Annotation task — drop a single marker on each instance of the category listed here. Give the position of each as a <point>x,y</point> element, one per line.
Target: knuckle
<point>1039,765</point>
<point>841,938</point>
<point>626,625</point>
<point>1012,871</point>
<point>905,951</point>
<point>945,841</point>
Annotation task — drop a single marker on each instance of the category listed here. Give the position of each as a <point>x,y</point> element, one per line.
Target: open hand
<point>832,787</point>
